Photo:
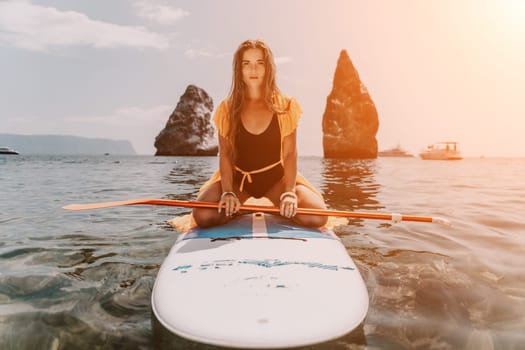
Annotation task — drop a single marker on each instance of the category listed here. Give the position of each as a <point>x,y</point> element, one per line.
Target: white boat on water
<point>394,152</point>
<point>7,150</point>
<point>442,151</point>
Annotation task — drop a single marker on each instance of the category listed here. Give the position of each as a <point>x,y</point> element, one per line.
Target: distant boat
<point>394,152</point>
<point>442,151</point>
<point>7,150</point>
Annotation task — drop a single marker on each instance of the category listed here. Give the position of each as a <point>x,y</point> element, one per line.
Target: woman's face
<point>253,67</point>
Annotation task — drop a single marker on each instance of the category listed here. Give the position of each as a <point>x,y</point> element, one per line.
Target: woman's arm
<point>288,199</point>
<point>290,162</point>
<point>225,164</point>
<point>228,198</point>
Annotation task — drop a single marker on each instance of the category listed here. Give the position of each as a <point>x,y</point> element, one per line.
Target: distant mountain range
<point>64,144</point>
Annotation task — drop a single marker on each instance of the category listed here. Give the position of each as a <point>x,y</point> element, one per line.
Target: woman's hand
<point>288,205</point>
<point>230,203</point>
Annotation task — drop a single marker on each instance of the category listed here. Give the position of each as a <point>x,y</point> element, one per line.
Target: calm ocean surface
<point>83,280</point>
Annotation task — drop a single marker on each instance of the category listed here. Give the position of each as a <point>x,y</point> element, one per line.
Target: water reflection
<point>189,174</point>
<point>84,280</point>
<point>349,184</point>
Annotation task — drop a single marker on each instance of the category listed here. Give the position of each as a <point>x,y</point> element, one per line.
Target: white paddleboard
<point>259,282</point>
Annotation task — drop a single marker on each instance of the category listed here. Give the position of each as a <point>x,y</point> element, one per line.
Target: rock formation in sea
<point>189,131</point>
<point>350,120</point>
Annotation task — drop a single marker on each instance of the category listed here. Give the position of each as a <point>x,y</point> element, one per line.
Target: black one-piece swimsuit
<point>255,152</point>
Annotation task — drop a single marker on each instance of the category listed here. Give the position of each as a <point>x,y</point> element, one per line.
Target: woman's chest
<point>256,121</point>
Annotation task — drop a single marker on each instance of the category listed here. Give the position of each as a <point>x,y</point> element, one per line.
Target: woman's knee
<point>200,216</point>
<point>206,217</point>
<point>311,220</point>
<point>310,199</point>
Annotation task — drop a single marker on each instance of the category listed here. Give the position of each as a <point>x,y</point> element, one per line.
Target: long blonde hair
<point>238,89</point>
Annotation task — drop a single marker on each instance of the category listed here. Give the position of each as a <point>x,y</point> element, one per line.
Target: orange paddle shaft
<point>257,208</point>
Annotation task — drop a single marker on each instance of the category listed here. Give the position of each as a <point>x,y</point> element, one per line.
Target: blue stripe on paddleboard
<point>274,262</point>
<point>242,227</point>
<point>266,263</point>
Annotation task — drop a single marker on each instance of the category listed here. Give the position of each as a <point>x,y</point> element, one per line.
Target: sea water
<point>83,280</point>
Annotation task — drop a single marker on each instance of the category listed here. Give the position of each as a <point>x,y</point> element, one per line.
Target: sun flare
<point>513,14</point>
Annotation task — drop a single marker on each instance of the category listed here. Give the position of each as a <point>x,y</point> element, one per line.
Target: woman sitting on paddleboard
<point>257,142</point>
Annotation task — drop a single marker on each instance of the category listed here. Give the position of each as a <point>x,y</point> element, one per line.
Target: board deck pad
<point>259,281</point>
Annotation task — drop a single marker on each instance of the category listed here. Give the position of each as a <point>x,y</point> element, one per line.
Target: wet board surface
<point>259,282</point>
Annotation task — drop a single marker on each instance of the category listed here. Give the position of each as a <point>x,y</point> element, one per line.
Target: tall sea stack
<point>350,120</point>
<point>189,131</point>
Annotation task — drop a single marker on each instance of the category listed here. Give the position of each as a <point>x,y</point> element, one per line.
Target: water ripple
<point>83,280</point>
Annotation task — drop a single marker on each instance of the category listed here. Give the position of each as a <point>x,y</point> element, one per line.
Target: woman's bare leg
<point>211,217</point>
<point>306,198</point>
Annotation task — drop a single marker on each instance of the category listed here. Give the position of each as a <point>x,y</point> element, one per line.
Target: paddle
<point>258,208</point>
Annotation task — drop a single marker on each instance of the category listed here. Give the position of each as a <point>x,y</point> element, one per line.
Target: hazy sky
<point>437,70</point>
